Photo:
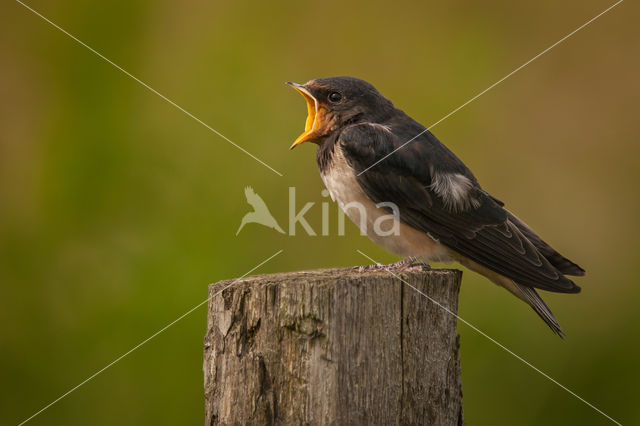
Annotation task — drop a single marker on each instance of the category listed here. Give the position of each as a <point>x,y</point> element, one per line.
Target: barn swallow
<point>444,213</point>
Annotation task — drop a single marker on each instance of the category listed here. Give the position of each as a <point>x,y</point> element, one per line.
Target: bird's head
<point>335,102</point>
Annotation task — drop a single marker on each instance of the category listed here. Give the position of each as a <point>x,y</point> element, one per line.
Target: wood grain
<point>334,346</point>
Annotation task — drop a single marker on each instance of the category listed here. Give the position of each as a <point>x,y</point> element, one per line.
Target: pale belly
<point>376,222</point>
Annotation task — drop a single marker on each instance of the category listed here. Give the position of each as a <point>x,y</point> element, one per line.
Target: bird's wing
<point>249,193</point>
<point>255,200</point>
<point>437,194</point>
<point>560,262</point>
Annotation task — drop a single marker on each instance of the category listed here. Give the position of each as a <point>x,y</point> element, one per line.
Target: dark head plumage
<point>335,102</point>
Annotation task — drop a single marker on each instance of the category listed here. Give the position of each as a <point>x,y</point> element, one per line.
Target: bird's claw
<point>421,265</point>
<point>364,268</point>
<point>409,263</point>
<point>401,265</point>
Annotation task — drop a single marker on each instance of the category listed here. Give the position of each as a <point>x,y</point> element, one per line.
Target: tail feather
<point>541,308</point>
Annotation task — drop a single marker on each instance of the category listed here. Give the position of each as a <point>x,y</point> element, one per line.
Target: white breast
<point>340,180</point>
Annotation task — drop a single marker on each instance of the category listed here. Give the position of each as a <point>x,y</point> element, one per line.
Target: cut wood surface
<point>334,346</point>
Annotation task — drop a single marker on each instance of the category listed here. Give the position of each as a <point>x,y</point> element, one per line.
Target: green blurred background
<point>118,209</point>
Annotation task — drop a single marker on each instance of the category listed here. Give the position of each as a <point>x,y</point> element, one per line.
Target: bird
<point>370,152</point>
<point>260,213</point>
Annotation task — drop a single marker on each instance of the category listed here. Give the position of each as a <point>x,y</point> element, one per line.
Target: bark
<point>334,346</point>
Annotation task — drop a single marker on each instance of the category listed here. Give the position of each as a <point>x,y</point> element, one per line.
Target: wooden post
<point>334,346</point>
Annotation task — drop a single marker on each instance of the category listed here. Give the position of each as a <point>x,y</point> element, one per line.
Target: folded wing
<point>437,194</point>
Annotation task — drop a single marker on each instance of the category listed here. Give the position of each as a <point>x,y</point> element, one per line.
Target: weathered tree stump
<point>334,346</point>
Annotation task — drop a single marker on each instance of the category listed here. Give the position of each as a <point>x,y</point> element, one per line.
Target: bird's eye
<point>335,97</point>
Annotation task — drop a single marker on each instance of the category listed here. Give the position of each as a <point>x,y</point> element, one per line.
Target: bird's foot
<point>408,263</point>
<point>401,264</point>
<point>423,266</point>
<point>364,268</point>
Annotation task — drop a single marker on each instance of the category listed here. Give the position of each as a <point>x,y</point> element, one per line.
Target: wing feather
<point>482,231</point>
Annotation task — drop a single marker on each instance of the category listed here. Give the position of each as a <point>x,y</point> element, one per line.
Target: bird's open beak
<point>314,115</point>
